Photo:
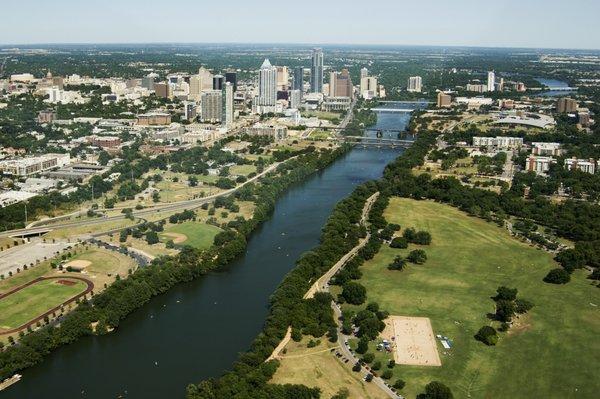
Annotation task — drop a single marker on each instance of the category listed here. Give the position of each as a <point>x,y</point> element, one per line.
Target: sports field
<point>194,234</point>
<point>24,305</point>
<point>552,352</point>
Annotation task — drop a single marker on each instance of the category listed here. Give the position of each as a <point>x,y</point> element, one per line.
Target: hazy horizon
<point>535,24</point>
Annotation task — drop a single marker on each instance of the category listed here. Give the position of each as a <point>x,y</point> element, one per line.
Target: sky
<point>483,23</point>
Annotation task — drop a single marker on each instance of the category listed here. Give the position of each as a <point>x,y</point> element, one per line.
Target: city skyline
<point>436,23</point>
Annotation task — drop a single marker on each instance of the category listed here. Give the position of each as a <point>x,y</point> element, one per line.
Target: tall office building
<point>267,84</point>
<point>298,79</point>
<point>195,87</point>
<point>148,82</point>
<point>340,84</point>
<point>364,72</point>
<point>206,79</point>
<point>162,90</point>
<point>283,78</point>
<point>228,103</point>
<point>189,110</point>
<point>444,100</point>
<point>295,99</point>
<point>218,82</point>
<point>415,84</point>
<point>211,107</point>
<point>231,77</point>
<point>491,82</point>
<point>316,71</point>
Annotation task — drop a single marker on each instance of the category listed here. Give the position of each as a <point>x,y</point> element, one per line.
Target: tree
<point>422,238</point>
<point>557,276</point>
<point>387,374</point>
<point>436,390</point>
<point>343,393</point>
<point>332,334</point>
<point>399,242</point>
<point>417,256</point>
<point>487,335</point>
<point>376,366</point>
<point>399,384</point>
<point>391,364</point>
<point>368,357</point>
<point>398,264</point>
<point>363,345</point>
<point>152,237</point>
<point>505,310</point>
<point>357,367</point>
<point>354,293</point>
<point>505,293</point>
<point>523,306</point>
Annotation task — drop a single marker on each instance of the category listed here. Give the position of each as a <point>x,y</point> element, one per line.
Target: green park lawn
<point>34,300</point>
<point>551,352</point>
<point>243,170</point>
<point>198,235</point>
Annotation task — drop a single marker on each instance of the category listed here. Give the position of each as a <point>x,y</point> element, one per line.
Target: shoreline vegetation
<point>107,309</point>
<point>250,375</point>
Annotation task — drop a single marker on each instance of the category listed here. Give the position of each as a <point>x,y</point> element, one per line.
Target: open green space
<point>34,300</point>
<point>243,170</point>
<point>551,352</point>
<point>194,234</point>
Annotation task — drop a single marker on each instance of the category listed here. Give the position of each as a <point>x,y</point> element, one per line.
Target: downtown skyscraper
<point>267,85</point>
<point>316,71</point>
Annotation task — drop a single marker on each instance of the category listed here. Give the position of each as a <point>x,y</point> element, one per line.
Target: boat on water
<point>9,381</point>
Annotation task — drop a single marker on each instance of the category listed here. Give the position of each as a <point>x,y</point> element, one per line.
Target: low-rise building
<point>444,100</point>
<point>546,149</point>
<point>500,142</point>
<point>584,165</point>
<point>154,118</point>
<point>277,132</point>
<point>32,165</point>
<point>105,141</point>
<point>538,164</point>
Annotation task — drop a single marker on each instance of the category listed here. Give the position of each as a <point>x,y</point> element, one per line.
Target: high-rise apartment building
<point>295,98</point>
<point>316,71</point>
<point>229,88</point>
<point>267,84</point>
<point>444,100</point>
<point>364,72</point>
<point>491,81</point>
<point>283,78</point>
<point>368,87</point>
<point>415,84</point>
<point>211,107</point>
<point>566,105</point>
<point>298,83</point>
<point>162,90</point>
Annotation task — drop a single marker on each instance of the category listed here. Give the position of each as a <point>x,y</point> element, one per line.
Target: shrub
<point>417,256</point>
<point>398,264</point>
<point>523,306</point>
<point>399,242</point>
<point>376,366</point>
<point>487,335</point>
<point>387,374</point>
<point>557,276</point>
<point>357,367</point>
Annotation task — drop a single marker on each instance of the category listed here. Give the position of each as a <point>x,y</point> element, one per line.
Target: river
<point>555,84</point>
<point>196,330</point>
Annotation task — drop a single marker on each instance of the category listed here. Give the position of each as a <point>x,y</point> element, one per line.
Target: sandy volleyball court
<point>412,340</point>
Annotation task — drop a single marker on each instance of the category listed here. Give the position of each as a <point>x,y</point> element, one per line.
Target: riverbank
<point>120,299</point>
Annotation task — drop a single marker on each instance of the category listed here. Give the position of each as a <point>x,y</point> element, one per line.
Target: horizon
<point>536,24</point>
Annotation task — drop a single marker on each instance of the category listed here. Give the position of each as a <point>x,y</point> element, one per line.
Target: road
<point>41,227</point>
<point>322,284</point>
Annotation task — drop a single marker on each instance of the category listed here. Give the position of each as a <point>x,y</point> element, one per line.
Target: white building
<point>267,85</point>
<point>277,132</point>
<point>546,149</point>
<point>33,165</point>
<point>500,142</point>
<point>584,165</point>
<point>491,81</point>
<point>368,87</point>
<point>539,165</point>
<point>415,84</point>
<point>228,104</point>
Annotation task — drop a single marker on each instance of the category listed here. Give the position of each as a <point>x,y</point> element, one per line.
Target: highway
<point>42,227</point>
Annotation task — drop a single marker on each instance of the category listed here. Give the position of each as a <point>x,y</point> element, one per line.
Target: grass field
<point>34,300</point>
<point>552,352</point>
<point>105,262</point>
<point>243,170</point>
<point>318,367</point>
<point>197,235</point>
